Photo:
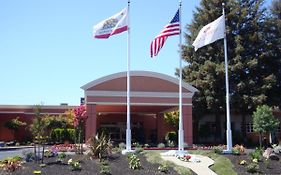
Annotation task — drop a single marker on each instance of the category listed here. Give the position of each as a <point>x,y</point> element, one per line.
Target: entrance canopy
<point>147,89</point>
<point>151,93</point>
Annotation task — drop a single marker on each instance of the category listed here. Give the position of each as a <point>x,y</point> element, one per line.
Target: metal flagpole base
<point>128,143</point>
<point>180,144</point>
<point>181,153</point>
<point>227,151</point>
<point>125,151</point>
<point>229,142</point>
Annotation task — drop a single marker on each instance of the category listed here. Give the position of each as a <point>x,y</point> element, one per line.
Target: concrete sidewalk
<point>6,148</point>
<point>200,168</point>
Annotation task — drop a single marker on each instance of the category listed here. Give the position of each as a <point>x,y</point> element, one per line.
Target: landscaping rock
<point>277,150</point>
<point>267,153</point>
<point>273,157</point>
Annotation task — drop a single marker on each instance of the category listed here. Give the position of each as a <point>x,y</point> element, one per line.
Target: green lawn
<point>154,157</point>
<point>222,165</point>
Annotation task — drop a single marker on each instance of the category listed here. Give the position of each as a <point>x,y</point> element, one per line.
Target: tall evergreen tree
<point>272,44</point>
<point>206,66</point>
<point>252,81</point>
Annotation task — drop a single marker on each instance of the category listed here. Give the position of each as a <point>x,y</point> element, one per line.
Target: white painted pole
<point>228,122</point>
<point>180,132</point>
<point>128,130</point>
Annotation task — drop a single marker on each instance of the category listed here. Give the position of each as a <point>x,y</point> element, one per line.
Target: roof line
<point>139,73</point>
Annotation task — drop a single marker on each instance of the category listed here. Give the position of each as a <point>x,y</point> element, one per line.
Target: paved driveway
<point>14,152</point>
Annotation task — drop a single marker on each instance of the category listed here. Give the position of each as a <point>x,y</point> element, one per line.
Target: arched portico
<point>152,94</point>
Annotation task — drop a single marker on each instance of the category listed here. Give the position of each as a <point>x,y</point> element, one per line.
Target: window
<point>249,127</point>
<point>116,131</point>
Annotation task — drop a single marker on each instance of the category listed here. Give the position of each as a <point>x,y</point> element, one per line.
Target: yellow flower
<point>2,165</point>
<point>36,172</point>
<point>255,160</point>
<point>69,161</point>
<point>242,162</point>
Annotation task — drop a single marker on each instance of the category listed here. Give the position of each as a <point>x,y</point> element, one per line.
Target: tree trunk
<point>270,138</point>
<point>260,136</point>
<point>42,161</point>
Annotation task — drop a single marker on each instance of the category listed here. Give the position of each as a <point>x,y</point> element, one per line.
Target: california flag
<point>210,33</point>
<point>118,23</point>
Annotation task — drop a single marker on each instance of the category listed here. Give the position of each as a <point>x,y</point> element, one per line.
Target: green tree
<point>172,118</point>
<point>39,130</point>
<point>14,125</point>
<point>254,73</point>
<point>272,44</point>
<point>264,121</point>
<point>276,9</point>
<point>205,69</point>
<point>39,125</point>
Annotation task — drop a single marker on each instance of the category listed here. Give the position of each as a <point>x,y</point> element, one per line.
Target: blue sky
<point>47,51</point>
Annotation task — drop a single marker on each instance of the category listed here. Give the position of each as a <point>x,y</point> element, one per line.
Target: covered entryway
<point>152,94</point>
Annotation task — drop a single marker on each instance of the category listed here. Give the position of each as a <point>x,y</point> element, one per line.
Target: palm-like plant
<point>100,146</point>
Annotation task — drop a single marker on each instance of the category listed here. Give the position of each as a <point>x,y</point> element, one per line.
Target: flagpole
<point>128,130</point>
<point>180,132</point>
<point>228,122</point>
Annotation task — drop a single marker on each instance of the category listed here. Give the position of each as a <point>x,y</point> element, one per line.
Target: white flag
<point>210,33</point>
<point>118,23</point>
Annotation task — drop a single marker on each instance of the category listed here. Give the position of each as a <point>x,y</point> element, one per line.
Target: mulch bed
<point>274,167</point>
<point>118,164</point>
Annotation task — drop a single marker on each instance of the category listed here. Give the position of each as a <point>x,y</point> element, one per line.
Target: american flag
<point>173,28</point>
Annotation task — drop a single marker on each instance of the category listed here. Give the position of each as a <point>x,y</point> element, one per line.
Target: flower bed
<point>64,147</point>
<point>184,158</point>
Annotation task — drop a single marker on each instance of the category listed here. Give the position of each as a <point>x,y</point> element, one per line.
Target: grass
<point>222,165</point>
<point>155,158</point>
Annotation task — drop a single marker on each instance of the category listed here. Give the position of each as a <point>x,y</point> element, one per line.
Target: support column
<point>91,123</point>
<point>187,124</point>
<point>160,127</point>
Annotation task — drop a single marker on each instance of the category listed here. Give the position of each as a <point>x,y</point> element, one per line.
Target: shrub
<point>61,157</point>
<point>100,146</point>
<point>11,164</point>
<point>28,156</point>
<point>252,168</point>
<point>75,164</point>
<point>266,163</point>
<point>256,154</point>
<point>138,150</point>
<point>171,144</point>
<point>218,149</point>
<point>105,169</point>
<point>161,145</point>
<point>171,136</point>
<point>16,158</point>
<point>163,168</point>
<point>238,149</point>
<point>134,162</point>
<point>137,145</point>
<point>122,145</point>
<point>60,135</point>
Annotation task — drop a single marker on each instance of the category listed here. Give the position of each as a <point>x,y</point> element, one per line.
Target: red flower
<point>80,115</point>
